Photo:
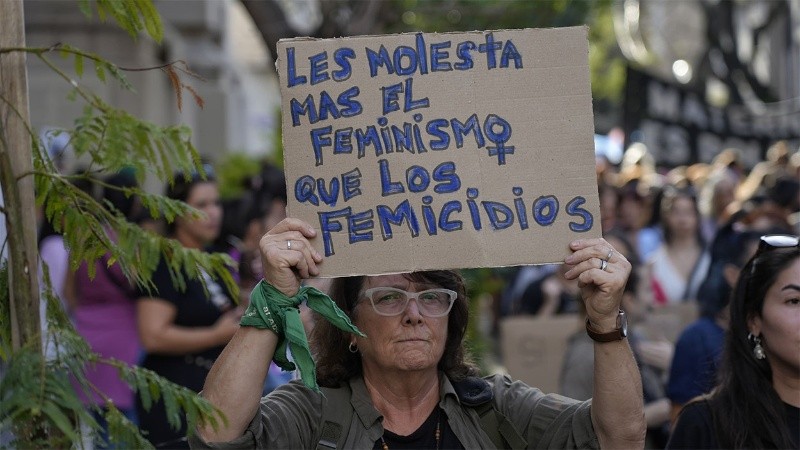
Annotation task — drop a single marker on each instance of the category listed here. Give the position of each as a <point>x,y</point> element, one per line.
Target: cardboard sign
<point>430,151</point>
<point>533,348</point>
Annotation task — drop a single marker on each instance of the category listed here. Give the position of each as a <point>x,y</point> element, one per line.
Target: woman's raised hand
<point>287,256</point>
<point>602,273</point>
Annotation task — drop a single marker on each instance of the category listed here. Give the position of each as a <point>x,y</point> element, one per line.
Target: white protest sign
<point>429,151</point>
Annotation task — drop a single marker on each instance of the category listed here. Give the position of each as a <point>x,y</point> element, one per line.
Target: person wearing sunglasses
<point>399,375</point>
<point>756,403</point>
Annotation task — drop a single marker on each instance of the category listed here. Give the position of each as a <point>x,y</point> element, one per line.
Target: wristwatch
<point>615,335</point>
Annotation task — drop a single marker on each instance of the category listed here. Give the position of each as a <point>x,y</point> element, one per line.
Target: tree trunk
<point>15,160</point>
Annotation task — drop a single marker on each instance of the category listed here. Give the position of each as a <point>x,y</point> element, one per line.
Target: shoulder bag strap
<point>336,417</point>
<point>501,431</point>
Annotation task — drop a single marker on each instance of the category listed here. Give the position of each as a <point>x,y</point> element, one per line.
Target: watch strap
<point>616,334</point>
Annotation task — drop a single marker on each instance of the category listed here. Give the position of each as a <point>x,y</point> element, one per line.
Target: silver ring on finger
<point>603,265</point>
<point>288,245</point>
<point>610,253</point>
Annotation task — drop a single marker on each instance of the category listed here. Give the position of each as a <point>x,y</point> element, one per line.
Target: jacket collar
<point>368,415</point>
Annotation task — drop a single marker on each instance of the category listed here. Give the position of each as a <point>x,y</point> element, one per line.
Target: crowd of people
<point>687,232</point>
<point>690,236</point>
<point>173,331</point>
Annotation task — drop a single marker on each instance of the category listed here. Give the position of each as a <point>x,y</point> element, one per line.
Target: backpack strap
<point>336,411</point>
<point>476,393</point>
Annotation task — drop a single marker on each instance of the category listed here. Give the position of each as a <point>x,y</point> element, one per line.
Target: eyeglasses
<point>389,301</point>
<point>772,241</point>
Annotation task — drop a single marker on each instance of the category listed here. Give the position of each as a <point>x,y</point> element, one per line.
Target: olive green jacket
<point>292,416</point>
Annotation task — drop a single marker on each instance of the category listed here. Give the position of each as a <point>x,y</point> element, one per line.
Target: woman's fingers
<point>601,272</point>
<point>306,257</point>
<point>292,224</point>
<point>587,265</point>
<point>599,249</point>
<point>287,255</point>
<point>594,254</point>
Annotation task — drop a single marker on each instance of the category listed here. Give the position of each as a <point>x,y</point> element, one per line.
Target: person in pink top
<point>104,313</point>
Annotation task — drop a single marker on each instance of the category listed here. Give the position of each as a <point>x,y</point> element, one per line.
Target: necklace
<point>437,434</point>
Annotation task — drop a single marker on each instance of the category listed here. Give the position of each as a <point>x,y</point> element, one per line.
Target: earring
<point>758,350</point>
<point>353,347</point>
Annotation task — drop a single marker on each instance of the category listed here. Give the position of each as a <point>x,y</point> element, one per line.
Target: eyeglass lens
<point>392,301</point>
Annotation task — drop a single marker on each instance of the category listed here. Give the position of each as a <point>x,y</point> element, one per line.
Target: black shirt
<point>424,436</point>
<point>695,428</point>
<point>194,307</point>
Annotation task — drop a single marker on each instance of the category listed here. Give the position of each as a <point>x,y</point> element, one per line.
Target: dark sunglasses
<point>773,241</point>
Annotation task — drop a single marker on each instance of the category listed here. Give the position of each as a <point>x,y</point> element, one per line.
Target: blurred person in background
<point>103,309</point>
<point>699,347</point>
<point>715,195</point>
<point>679,264</point>
<point>775,166</point>
<point>245,220</point>
<point>576,379</point>
<point>756,403</point>
<point>638,182</point>
<point>184,331</point>
<point>260,207</point>
<point>609,201</point>
<point>52,250</point>
<point>552,293</point>
<point>634,214</point>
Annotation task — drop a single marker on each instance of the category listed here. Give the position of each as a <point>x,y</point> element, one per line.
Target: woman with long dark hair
<point>677,267</point>
<point>183,331</point>
<point>757,401</point>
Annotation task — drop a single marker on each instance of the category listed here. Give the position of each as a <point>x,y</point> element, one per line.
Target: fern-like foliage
<point>113,139</point>
<point>41,393</point>
<point>133,16</point>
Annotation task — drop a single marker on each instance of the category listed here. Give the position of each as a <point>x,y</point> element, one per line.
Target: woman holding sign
<point>398,375</point>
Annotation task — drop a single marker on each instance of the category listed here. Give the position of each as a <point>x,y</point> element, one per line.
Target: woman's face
<point>608,208</point>
<point>205,198</point>
<point>682,219</point>
<point>779,323</point>
<point>632,213</point>
<point>408,341</point>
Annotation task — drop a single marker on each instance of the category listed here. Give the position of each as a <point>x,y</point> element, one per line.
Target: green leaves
<point>91,229</point>
<point>42,409</point>
<point>178,400</point>
<point>133,16</point>
<point>102,67</point>
<point>39,405</point>
<point>41,396</point>
<point>114,139</point>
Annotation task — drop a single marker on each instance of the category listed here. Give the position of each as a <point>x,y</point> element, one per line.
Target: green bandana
<point>271,309</point>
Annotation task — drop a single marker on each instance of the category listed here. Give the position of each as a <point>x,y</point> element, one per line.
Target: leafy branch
<point>58,402</point>
<point>41,407</point>
<point>116,140</point>
<point>132,16</point>
<point>102,67</point>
